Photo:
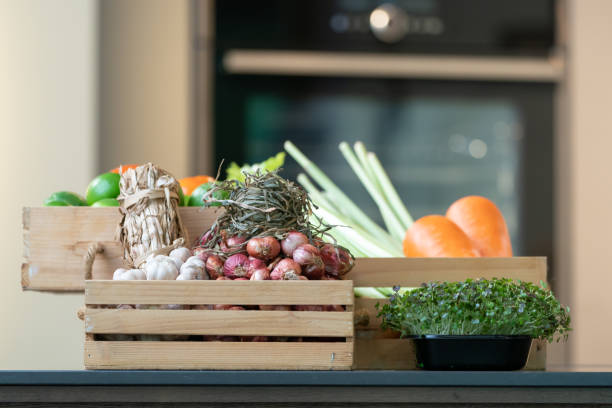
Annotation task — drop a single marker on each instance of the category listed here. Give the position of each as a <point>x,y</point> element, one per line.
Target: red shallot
<point>260,274</point>
<point>307,256</point>
<point>214,266</point>
<point>206,237</point>
<point>232,244</point>
<point>236,266</point>
<point>274,307</point>
<point>293,240</point>
<point>201,253</point>
<point>254,338</point>
<point>286,269</point>
<point>265,248</point>
<point>337,260</point>
<point>309,308</point>
<point>255,264</point>
<point>272,264</point>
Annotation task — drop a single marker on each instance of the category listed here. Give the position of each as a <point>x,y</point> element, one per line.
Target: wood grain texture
<point>56,238</point>
<point>384,354</point>
<point>155,355</point>
<point>220,292</point>
<point>412,272</point>
<point>220,322</point>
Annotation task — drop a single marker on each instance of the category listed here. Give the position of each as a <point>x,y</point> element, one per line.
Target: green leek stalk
<point>346,206</point>
<point>392,223</point>
<point>385,183</point>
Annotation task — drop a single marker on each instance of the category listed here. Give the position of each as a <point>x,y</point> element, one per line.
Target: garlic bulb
<point>193,269</point>
<point>196,260</point>
<point>180,256</point>
<point>131,274</point>
<point>161,267</point>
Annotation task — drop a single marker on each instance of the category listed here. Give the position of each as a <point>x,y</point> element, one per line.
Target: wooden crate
<point>55,239</point>
<point>376,349</point>
<point>219,355</point>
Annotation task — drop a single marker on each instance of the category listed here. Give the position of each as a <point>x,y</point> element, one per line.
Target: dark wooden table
<point>303,388</point>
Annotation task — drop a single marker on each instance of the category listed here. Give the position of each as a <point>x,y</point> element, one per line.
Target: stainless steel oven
<point>455,96</point>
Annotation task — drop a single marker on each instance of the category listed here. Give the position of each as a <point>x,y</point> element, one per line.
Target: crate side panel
<point>56,239</point>
<point>366,314</point>
<point>384,354</point>
<point>412,272</point>
<point>137,355</point>
<point>220,322</point>
<point>220,292</point>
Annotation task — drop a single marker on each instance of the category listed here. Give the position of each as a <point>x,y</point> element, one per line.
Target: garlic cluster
<point>194,268</point>
<point>179,265</point>
<point>161,267</point>
<point>129,274</point>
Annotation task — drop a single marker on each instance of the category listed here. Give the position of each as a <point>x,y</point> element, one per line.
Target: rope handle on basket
<point>88,259</point>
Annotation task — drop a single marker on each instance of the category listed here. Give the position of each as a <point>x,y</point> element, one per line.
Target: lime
<point>67,197</point>
<point>106,185</point>
<point>181,195</point>
<point>56,203</point>
<point>106,202</point>
<point>196,197</point>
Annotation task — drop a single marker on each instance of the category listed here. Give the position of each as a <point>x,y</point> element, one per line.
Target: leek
<point>393,225</point>
<point>385,183</point>
<point>347,207</point>
<point>371,293</point>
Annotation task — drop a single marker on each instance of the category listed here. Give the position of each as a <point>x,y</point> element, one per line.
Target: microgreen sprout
<point>477,307</point>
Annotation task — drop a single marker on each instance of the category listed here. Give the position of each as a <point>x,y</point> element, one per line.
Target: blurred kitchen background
<point>503,98</point>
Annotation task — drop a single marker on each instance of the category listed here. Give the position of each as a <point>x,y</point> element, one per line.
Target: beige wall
<point>47,135</point>
<point>144,84</point>
<point>589,154</point>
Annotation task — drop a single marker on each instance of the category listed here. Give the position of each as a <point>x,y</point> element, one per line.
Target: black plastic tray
<point>438,352</point>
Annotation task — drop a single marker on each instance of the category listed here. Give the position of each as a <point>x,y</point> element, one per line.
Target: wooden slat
<point>56,238</point>
<point>537,356</point>
<point>220,292</point>
<point>384,354</point>
<point>220,322</point>
<point>140,355</point>
<point>412,272</point>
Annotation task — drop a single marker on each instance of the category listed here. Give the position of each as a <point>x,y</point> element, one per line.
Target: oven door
<point>438,140</point>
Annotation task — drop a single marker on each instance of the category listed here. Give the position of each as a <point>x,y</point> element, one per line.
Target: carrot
<point>437,236</point>
<point>483,223</point>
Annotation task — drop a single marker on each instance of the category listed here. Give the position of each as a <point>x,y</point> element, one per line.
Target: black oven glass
<point>438,140</point>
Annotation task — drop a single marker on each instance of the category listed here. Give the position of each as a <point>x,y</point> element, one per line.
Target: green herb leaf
<point>485,307</point>
<point>235,172</point>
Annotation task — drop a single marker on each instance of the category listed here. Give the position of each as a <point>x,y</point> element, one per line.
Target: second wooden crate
<point>326,336</point>
<point>377,349</point>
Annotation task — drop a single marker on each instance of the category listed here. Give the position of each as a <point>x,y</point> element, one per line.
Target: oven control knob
<point>388,23</point>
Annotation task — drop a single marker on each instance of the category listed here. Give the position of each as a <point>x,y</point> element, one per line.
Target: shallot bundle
<point>266,233</point>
